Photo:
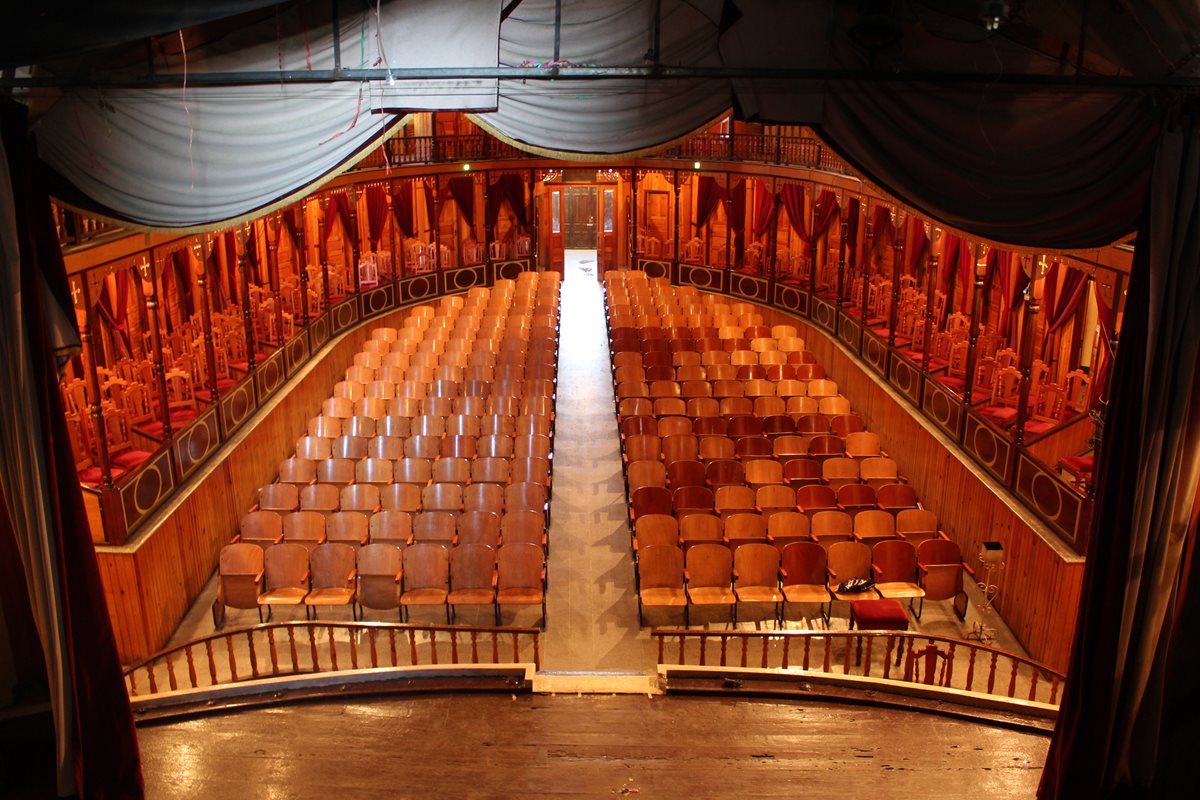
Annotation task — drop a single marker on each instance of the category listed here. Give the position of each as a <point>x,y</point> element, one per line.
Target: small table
<point>877,615</point>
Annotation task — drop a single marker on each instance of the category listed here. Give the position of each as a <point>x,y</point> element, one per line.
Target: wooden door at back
<point>579,217</point>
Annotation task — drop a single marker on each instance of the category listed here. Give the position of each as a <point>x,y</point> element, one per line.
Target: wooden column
<point>299,224</point>
<point>150,293</point>
<point>397,250</point>
<point>973,329</point>
<point>868,252</point>
<point>112,521</point>
<point>812,254</point>
<point>635,228</point>
<point>210,354</point>
<point>488,231</point>
<point>355,244</point>
<point>531,214</point>
<point>927,351</point>
<point>247,313</point>
<point>435,222</point>
<point>273,274</point>
<point>675,235</point>
<point>1033,302</point>
<point>897,270</point>
<point>841,274</point>
<point>323,248</point>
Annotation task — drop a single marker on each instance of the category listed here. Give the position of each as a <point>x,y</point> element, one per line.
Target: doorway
<point>579,217</point>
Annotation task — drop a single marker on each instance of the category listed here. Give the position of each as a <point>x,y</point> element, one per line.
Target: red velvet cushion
<point>879,614</point>
<point>1081,464</point>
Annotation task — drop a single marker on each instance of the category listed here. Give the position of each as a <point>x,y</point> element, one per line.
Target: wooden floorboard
<point>585,746</point>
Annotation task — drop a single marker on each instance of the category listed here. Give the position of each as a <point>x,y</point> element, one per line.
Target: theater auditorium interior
<point>660,397</point>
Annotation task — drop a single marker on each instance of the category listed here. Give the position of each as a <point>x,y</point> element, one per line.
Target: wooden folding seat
<point>434,408</point>
<point>759,388</point>
<point>384,390</point>
<point>724,472</point>
<point>831,526</point>
<point>680,447</point>
<point>322,497</point>
<point>673,426</point>
<point>496,424</point>
<point>636,426</point>
<point>709,573</point>
<point>751,447</point>
<point>490,470</point>
<point>917,525</point>
<point>826,446</point>
<point>872,526</point>
<point>894,497</point>
<point>783,331</point>
<point>314,448</point>
<point>734,499</point>
<point>731,388</point>
<point>452,470</point>
<point>813,498</point>
<point>459,447</point>
<point>445,497</point>
<point>838,472</point>
<point>373,407</point>
<point>526,496</point>
<point>790,343</point>
<point>472,577</point>
<point>285,576</point>
<point>711,352</point>
<point>855,497</point>
<point>421,446</point>
<point>713,448</point>
<point>813,424</point>
<point>878,471</point>
<point>710,426</point>
<point>298,471</point>
<point>484,497</point>
<point>740,353</point>
<point>334,579</point>
<point>745,528</point>
<point>459,424</point>
<point>239,580</point>
<point>520,577</point>
<point>478,528</point>
<point>413,470</point>
<point>390,527</point>
<point>336,471</point>
<point>394,359</point>
<point>894,565</point>
<point>845,424</point>
<point>349,447</point>
<point>785,447</point>
<point>386,447</point>
<point>700,407</point>
<point>338,407</point>
<point>404,407</point>
<point>821,388</point>
<point>655,530</point>
<point>656,358</point>
<point>661,375</point>
<point>533,469</point>
<point>721,372</point>
<point>435,526</point>
<point>743,425</point>
<point>306,528</point>
<point>701,529</point>
<point>692,500</point>
<point>763,472</point>
<point>626,358</point>
<point>689,371</point>
<point>661,580</point>
<point>642,447</point>
<point>833,406</point>
<point>862,444</point>
<point>752,372</point>
<point>771,407</point>
<point>495,446</point>
<point>524,526</point>
<point>802,405</point>
<point>757,575</point>
<point>426,577</point>
<point>529,424</point>
<point>682,472</point>
<point>805,578</point>
<point>404,497</point>
<point>801,472</point>
<point>940,571</point>
<point>785,527</point>
<point>328,427</point>
<point>412,389</point>
<point>364,497</point>
<point>532,446</point>
<point>262,528</point>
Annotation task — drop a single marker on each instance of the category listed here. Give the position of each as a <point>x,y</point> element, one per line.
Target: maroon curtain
<point>511,189</point>
<point>881,227</point>
<point>1003,266</point>
<point>431,208</point>
<point>827,211</point>
<point>376,201</point>
<point>179,265</point>
<point>217,293</point>
<point>853,217</point>
<point>737,219</point>
<point>918,240</point>
<point>116,318</point>
<point>462,190</point>
<point>1066,300</point>
<point>252,254</point>
<point>764,209</point>
<point>792,196</point>
<point>1105,356</point>
<point>337,208</point>
<point>709,195</point>
<point>950,256</point>
<point>402,208</point>
<point>106,752</point>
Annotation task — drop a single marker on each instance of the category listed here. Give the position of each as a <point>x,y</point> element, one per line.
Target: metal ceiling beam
<point>573,73</point>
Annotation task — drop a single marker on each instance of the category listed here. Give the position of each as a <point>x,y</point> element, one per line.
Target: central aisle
<point>592,606</point>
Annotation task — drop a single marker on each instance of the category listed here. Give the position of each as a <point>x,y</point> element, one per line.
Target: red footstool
<point>878,615</point>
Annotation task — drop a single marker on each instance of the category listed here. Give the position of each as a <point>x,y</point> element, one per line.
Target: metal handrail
<point>920,658</point>
<point>314,647</point>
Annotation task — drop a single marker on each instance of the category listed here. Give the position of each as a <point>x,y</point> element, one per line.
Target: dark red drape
<point>217,296</point>
<point>792,197</point>
<point>116,318</point>
<point>881,227</point>
<point>106,753</point>
<point>376,201</point>
<point>737,219</point>
<point>252,265</point>
<point>509,188</point>
<point>462,190</point>
<point>1004,267</point>
<point>853,218</point>
<point>338,208</point>
<point>918,240</point>
<point>1105,356</point>
<point>1066,300</point>
<point>764,209</point>
<point>178,263</point>
<point>709,195</point>
<point>402,207</point>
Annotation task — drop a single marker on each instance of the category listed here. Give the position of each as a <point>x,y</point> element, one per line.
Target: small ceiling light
<point>995,13</point>
<point>466,167</point>
<point>391,79</point>
<point>695,165</point>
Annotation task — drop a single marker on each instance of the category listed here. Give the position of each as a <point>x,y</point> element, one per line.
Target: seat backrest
<point>897,495</point>
<point>756,565</point>
<point>815,496</point>
<point>849,560</point>
<point>261,527</point>
<point>391,527</point>
<point>894,560</point>
<point>520,565</point>
<point>332,565</point>
<point>479,527</point>
<point>426,566</point>
<point>660,567</point>
<point>360,497</point>
<point>278,497</point>
<point>709,565</point>
<point>307,527</point>
<point>804,563</point>
<point>347,527</point>
<point>285,565</point>
<point>472,566</point>
<point>745,526</point>
<point>240,569</point>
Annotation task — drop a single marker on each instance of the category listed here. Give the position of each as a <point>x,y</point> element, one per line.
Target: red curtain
<point>881,227</point>
<point>958,264</point>
<point>853,217</point>
<point>402,207</point>
<point>116,318</point>
<point>1105,356</point>
<point>1065,301</point>
<point>338,208</point>
<point>252,268</point>
<point>106,750</point>
<point>792,196</point>
<point>709,195</point>
<point>827,211</point>
<point>463,191</point>
<point>376,201</point>
<point>737,219</point>
<point>511,189</point>
<point>950,256</point>
<point>179,264</point>
<point>1013,280</point>
<point>918,240</point>
<point>764,209</point>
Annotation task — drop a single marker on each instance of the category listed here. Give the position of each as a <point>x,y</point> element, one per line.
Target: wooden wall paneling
<point>118,576</point>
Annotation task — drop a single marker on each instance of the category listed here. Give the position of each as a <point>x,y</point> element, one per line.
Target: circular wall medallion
<point>1047,494</point>
<point>149,486</point>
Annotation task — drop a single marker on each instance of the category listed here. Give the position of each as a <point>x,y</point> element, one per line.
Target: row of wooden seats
<point>638,370</point>
<point>726,499</point>
<point>707,408</point>
<point>751,389</point>
<point>458,423</point>
<point>379,576</point>
<point>708,574</point>
<point>668,418</point>
<point>651,358</point>
<point>398,528</point>
<point>456,498</point>
<point>690,527</point>
<point>383,471</point>
<point>834,473</point>
<point>688,446</point>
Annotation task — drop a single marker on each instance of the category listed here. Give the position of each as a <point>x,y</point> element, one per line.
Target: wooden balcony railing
<point>889,656</point>
<point>231,657</point>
